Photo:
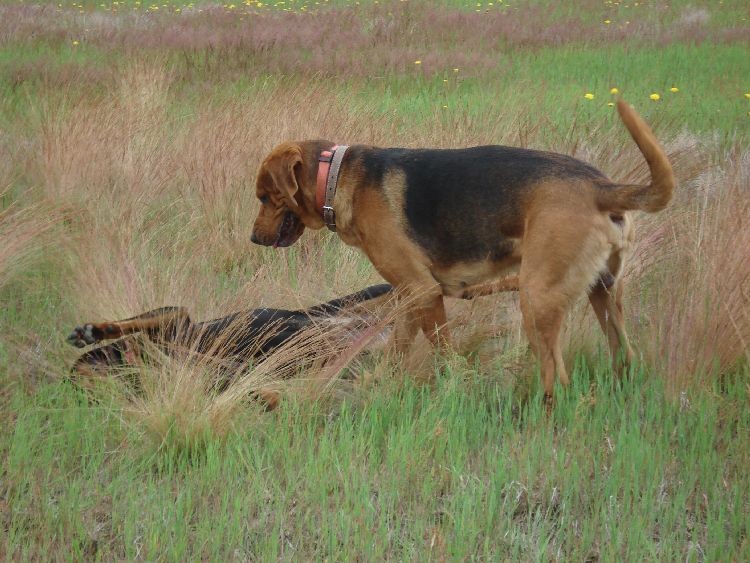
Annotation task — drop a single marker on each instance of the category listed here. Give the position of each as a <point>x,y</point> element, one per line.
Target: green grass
<point>710,98</point>
<point>711,80</point>
<point>473,469</point>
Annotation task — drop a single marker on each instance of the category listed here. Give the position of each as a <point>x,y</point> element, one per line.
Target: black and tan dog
<point>440,223</point>
<point>232,341</point>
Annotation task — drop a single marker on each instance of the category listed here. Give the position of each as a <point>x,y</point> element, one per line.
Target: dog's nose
<point>254,239</point>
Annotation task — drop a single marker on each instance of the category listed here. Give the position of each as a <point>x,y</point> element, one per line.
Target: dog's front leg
<point>419,296</point>
<point>433,321</point>
<point>404,331</point>
<point>425,311</point>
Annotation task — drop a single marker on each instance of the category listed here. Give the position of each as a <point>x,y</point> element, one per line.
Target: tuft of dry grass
<point>24,231</point>
<point>696,308</point>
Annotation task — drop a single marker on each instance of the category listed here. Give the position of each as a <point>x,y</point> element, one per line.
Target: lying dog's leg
<point>269,397</point>
<point>364,298</point>
<point>160,323</point>
<point>606,300</point>
<point>506,284</point>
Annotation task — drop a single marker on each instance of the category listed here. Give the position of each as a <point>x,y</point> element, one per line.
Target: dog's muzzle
<point>289,231</point>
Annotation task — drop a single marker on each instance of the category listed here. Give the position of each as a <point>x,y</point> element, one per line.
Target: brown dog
<point>440,223</point>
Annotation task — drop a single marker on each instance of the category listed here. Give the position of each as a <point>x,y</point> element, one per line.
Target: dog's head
<point>286,190</point>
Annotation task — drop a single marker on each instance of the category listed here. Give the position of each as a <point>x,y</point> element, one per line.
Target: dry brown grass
<point>159,207</point>
<point>22,234</point>
<point>696,307</point>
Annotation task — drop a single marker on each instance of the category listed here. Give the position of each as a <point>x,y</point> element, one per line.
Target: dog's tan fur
<point>570,236</point>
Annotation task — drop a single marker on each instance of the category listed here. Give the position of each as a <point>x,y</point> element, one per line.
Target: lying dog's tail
<point>653,197</point>
<point>336,305</point>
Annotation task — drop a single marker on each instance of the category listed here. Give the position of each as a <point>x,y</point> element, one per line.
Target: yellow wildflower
<point>747,95</point>
<point>607,22</point>
<point>614,91</point>
<point>610,104</point>
<point>655,97</point>
<point>417,62</point>
<point>75,43</point>
<point>674,89</point>
<point>588,96</point>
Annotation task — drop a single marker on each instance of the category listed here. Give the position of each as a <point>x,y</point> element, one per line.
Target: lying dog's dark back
<point>258,332</point>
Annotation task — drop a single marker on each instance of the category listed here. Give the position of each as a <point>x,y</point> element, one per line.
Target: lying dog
<point>440,223</point>
<point>233,341</point>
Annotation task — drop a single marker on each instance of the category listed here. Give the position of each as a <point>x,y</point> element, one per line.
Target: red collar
<point>324,165</point>
<point>329,163</point>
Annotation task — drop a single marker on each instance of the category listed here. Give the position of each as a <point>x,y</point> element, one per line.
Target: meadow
<point>130,135</point>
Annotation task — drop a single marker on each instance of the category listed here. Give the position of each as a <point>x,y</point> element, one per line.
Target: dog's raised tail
<point>654,196</point>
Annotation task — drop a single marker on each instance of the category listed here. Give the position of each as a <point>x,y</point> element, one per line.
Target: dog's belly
<point>454,279</point>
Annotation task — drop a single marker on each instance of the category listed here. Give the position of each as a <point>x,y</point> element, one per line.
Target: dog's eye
<point>263,199</point>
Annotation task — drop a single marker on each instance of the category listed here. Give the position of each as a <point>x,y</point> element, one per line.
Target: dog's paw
<point>84,335</point>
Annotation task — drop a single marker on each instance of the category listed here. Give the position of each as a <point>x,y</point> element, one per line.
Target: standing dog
<point>440,223</point>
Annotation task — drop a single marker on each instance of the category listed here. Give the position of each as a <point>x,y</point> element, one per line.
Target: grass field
<point>130,134</point>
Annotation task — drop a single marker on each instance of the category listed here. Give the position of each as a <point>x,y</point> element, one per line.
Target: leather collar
<point>329,164</point>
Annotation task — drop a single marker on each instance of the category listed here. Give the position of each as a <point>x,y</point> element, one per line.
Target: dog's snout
<point>254,239</point>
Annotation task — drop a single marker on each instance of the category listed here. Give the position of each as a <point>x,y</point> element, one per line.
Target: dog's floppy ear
<point>281,168</point>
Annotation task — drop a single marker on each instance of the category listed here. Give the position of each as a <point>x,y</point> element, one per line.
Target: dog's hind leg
<point>162,324</point>
<point>561,257</point>
<point>543,311</point>
<point>606,300</point>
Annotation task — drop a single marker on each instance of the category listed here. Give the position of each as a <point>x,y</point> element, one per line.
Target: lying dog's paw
<point>84,335</point>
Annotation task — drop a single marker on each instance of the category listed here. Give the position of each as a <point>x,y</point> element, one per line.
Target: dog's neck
<point>329,164</point>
